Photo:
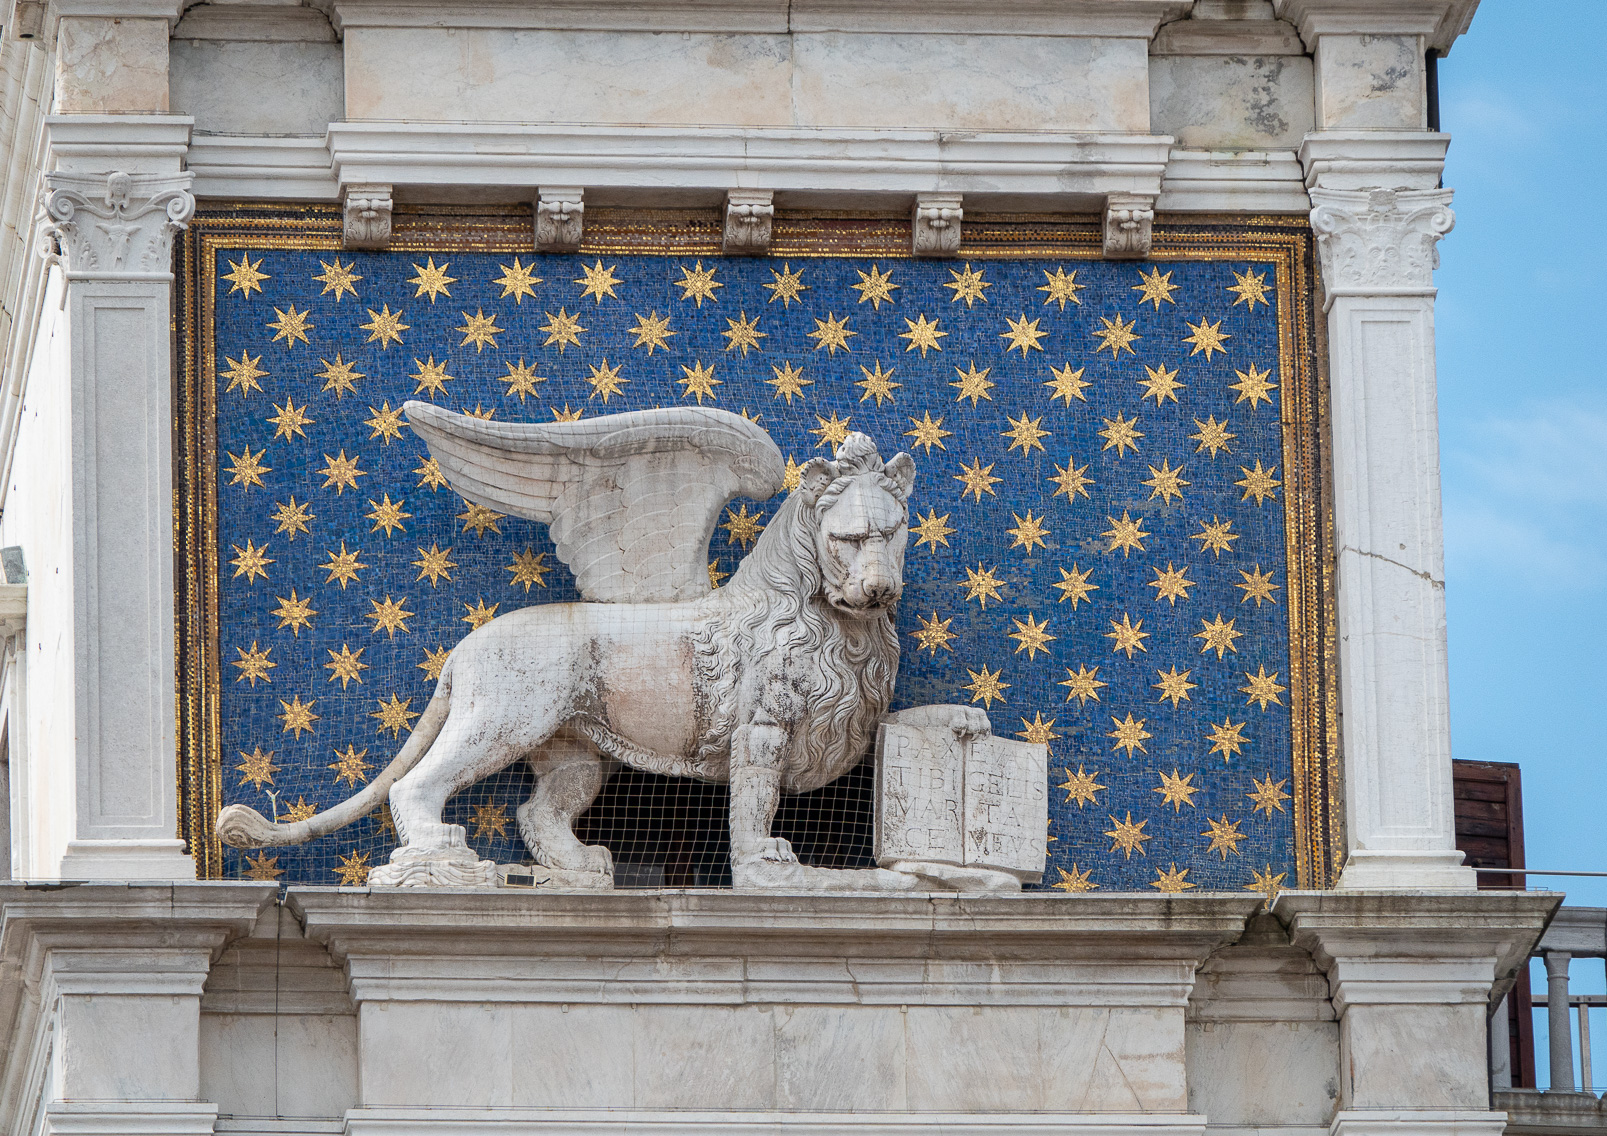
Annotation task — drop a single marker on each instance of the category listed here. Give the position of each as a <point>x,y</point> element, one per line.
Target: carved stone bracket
<point>368,217</point>
<point>560,218</point>
<point>114,225</point>
<point>1380,240</point>
<point>936,224</point>
<point>748,217</point>
<point>1129,220</point>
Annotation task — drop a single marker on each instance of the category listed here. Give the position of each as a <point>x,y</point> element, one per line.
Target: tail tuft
<point>242,827</point>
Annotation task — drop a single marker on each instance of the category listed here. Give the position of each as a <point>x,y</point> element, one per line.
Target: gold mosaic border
<point>1285,241</point>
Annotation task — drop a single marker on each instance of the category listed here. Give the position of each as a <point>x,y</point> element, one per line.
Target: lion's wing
<point>631,499</point>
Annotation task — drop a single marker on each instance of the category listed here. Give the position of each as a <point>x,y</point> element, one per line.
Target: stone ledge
<point>678,1122</point>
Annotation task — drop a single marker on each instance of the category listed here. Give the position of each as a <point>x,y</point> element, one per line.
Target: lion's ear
<point>902,470</point>
<point>816,474</point>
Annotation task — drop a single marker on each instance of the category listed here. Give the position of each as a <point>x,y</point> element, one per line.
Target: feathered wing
<point>631,500</point>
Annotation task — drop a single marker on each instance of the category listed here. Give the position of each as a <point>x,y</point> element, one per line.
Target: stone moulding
<point>686,1122</point>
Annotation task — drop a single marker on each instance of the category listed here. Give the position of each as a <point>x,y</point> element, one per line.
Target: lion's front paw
<point>772,850</point>
<point>968,722</point>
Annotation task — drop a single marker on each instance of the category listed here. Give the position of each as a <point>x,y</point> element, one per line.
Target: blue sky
<point>1523,416</point>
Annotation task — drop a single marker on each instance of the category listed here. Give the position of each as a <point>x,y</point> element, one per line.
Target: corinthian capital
<point>115,225</point>
<point>1380,240</point>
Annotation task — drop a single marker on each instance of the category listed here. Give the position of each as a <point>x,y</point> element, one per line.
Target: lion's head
<point>861,512</point>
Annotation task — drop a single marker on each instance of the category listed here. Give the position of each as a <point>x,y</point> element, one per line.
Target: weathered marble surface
<point>1370,82</point>
<point>111,66</point>
<point>257,88</point>
<point>1232,102</point>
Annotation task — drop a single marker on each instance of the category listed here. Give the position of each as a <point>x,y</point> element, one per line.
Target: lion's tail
<point>243,827</point>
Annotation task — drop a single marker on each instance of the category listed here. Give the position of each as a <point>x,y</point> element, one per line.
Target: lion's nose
<point>880,591</point>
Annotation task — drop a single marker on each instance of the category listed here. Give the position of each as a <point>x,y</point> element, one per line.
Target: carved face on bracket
<point>863,528</point>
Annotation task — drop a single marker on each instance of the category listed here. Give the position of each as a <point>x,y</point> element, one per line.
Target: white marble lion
<point>775,682</point>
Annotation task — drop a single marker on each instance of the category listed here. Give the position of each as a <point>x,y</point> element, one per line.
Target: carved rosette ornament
<point>937,224</point>
<point>1380,241</point>
<point>114,225</point>
<point>1129,223</point>
<point>749,214</point>
<point>560,218</point>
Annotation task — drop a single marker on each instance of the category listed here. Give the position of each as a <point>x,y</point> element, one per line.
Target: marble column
<point>111,209</point>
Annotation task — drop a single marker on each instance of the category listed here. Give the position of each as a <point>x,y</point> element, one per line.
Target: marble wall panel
<point>1263,1074</point>
<point>111,66</point>
<point>1442,1074</point>
<point>285,1065</point>
<point>257,88</point>
<point>1232,102</point>
<point>1370,82</point>
<point>432,1053</point>
<point>840,1058</point>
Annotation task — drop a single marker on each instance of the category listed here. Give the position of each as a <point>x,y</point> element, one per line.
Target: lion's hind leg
<point>569,775</point>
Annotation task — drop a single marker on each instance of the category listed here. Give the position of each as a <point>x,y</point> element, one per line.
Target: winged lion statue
<point>775,682</point>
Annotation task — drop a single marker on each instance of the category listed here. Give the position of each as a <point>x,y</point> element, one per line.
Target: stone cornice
<point>1440,22</point>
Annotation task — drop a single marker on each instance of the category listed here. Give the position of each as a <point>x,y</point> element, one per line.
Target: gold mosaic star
<point>1224,836</point>
<point>1155,288</point>
<point>1257,586</point>
<point>295,612</point>
<point>1254,386</point>
<point>1160,385</point>
<point>1075,880</point>
<point>699,382</point>
<point>741,527</point>
<point>1071,480</point>
<point>1174,687</point>
<point>250,561</point>
<point>833,430</point>
<point>1172,584</point>
<point>1251,288</point>
<point>386,423</point>
<point>1125,534</point>
<point>263,867</point>
<point>1216,536</point>
<point>434,662</point>
<point>1258,483</point>
<point>489,820</point>
<point>1037,731</point>
<point>346,665</point>
<point>934,633</point>
<point>743,333</point>
<point>301,810</point>
<point>394,715</point>
<point>340,376</point>
<point>973,384</point>
<point>342,566</point>
<point>1067,384</point>
<point>1268,795</point>
<point>521,379</point>
<point>1207,337</point>
<point>337,278</point>
<point>290,420</point>
<point>985,687</point>
<point>479,412</point>
<point>431,280</point>
<point>922,334</point>
<point>605,380</point>
<point>247,469</point>
<point>254,664</point>
<point>353,869</point>
<point>1062,286</point>
<point>246,276</point>
<point>479,518</point>
<point>385,326</point>
<point>1121,433</point>
<point>1031,636</point>
<point>1029,530</point>
<point>1074,585</point>
<point>1127,636</point>
<point>977,479</point>
<point>429,474</point>
<point>875,288</point>
<point>715,575</point>
<point>1227,738</point>
<point>435,564</point>
<point>566,415</point>
<point>1262,687</point>
<point>1023,336</point>
<point>598,281</point>
<point>479,615</point>
<point>1267,883</point>
<point>1218,636</point>
<point>350,766</point>
<point>480,329</point>
<point>1165,483</point>
<point>787,286</point>
<point>1116,336</point>
<point>1128,837</point>
<point>968,285</point>
<point>792,474</point>
<point>243,374</point>
<point>932,530</point>
<point>519,281</point>
<point>1083,684</point>
<point>563,329</point>
<point>877,384</point>
<point>1177,790</point>
<point>388,615</point>
<point>387,515</point>
<point>788,381</point>
<point>528,567</point>
<point>1080,786</point>
<point>291,518</point>
<point>698,283</point>
<point>1025,433</point>
<point>831,333</point>
<point>982,585</point>
<point>297,715</point>
<point>1172,880</point>
<point>291,326</point>
<point>652,331</point>
<point>927,432</point>
<point>1213,436</point>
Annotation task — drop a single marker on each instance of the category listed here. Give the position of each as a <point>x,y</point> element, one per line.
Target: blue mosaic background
<point>1068,366</point>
